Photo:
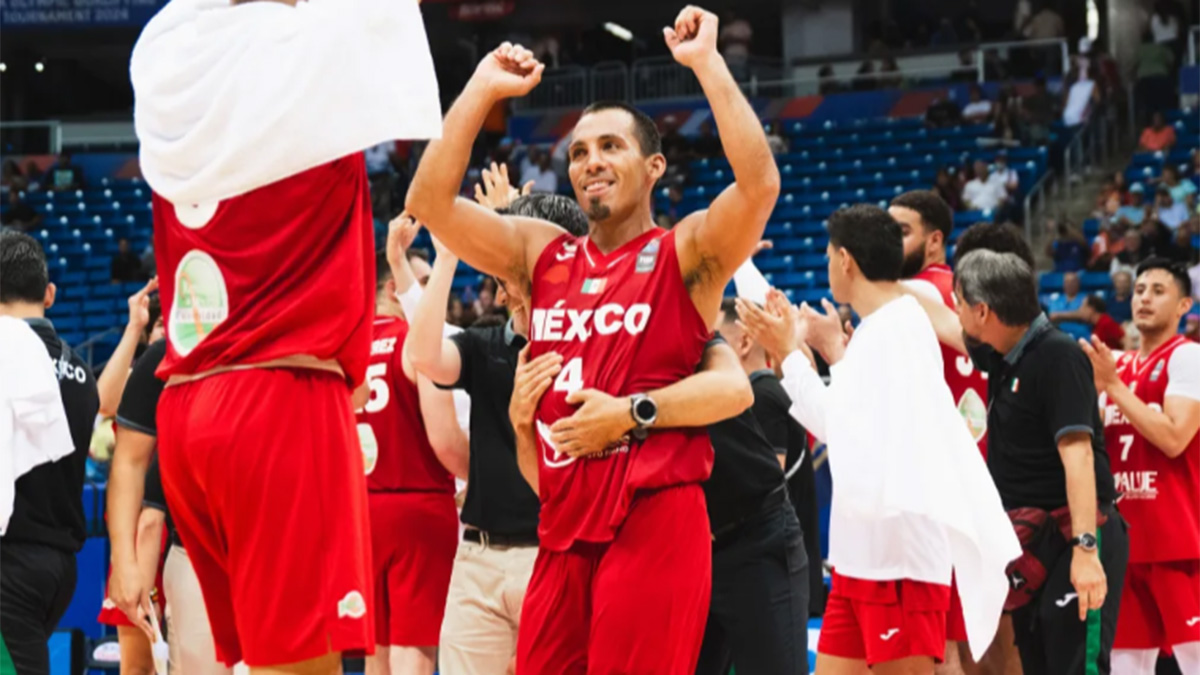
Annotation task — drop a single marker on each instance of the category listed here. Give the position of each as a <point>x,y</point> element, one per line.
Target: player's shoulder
<point>1186,352</point>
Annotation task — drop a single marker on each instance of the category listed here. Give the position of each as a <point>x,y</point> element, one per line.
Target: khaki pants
<point>189,635</point>
<point>483,609</point>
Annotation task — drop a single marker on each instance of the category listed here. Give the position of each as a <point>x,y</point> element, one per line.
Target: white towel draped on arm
<point>229,98</point>
<point>33,422</point>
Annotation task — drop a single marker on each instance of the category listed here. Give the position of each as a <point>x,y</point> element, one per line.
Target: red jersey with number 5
<point>624,324</point>
<point>967,385</point>
<point>1159,495</point>
<point>397,456</point>
<point>287,269</point>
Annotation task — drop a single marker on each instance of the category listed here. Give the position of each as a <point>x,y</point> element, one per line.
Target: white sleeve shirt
<point>1183,372</point>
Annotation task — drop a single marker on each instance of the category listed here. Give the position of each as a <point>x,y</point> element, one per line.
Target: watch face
<point>1087,541</point>
<point>646,410</point>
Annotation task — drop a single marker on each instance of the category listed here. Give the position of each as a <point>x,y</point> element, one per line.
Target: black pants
<point>758,618</point>
<point>1051,638</point>
<point>36,585</point>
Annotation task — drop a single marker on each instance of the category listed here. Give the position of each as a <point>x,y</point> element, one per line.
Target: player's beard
<point>597,211</point>
<point>913,264</point>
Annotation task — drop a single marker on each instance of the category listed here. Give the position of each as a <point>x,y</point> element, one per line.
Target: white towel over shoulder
<point>229,98</point>
<point>33,422</point>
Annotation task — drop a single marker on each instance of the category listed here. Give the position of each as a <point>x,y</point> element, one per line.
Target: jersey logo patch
<point>550,454</point>
<point>352,606</point>
<point>593,286</point>
<point>647,258</point>
<point>370,447</point>
<point>1158,368</point>
<point>201,302</point>
<point>974,413</point>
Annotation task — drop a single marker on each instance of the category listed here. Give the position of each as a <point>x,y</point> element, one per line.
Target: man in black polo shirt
<point>1045,451</point>
<point>500,543</point>
<point>47,527</point>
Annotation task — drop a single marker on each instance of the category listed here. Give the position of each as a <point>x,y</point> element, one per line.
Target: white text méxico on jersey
<point>567,324</point>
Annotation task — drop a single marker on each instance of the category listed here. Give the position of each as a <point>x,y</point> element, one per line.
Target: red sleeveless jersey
<point>397,456</point>
<point>283,270</point>
<point>967,385</point>
<point>624,324</point>
<point>1160,496</point>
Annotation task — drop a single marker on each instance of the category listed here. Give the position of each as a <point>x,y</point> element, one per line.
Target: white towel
<point>229,98</point>
<point>750,283</point>
<point>33,422</point>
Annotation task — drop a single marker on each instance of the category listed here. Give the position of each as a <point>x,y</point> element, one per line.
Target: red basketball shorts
<point>264,475</point>
<point>414,536</point>
<point>636,604</point>
<point>956,626</point>
<point>1160,605</point>
<point>882,621</point>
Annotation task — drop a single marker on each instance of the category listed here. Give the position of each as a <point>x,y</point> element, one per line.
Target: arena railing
<point>1193,45</point>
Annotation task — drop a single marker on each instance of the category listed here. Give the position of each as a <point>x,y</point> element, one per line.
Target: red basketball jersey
<point>624,324</point>
<point>967,385</point>
<point>1160,496</point>
<point>286,269</point>
<point>397,456</point>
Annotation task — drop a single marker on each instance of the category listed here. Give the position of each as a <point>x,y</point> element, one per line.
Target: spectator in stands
<point>734,41</point>
<point>12,178</point>
<point>1108,243</point>
<point>946,188</point>
<point>1133,212</point>
<point>64,174</point>
<point>1081,96</point>
<point>1170,212</point>
<point>1104,326</point>
<point>707,144</point>
<point>1164,27</point>
<point>485,301</point>
<point>1133,255</point>
<point>20,215</point>
<point>1004,175</point>
<point>1115,195</point>
<point>945,33</point>
<point>1159,136</point>
<point>456,312</point>
<point>827,82</point>
<point>776,140</point>
<point>1191,325</point>
<point>1196,166</point>
<point>382,177</point>
<point>978,108</point>
<point>126,265</point>
<point>1037,113</point>
<point>864,79</point>
<point>675,146</point>
<point>537,170</point>
<point>1065,306</point>
<point>1183,249</point>
<point>895,80</point>
<point>981,193</point>
<point>942,113</point>
<point>1120,307</point>
<point>1182,191</point>
<point>1155,87</point>
<point>1069,248</point>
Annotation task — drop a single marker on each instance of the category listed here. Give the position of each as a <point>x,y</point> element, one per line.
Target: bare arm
<point>530,382</point>
<point>719,390</point>
<point>126,484</point>
<point>499,245</point>
<point>430,353</point>
<point>1170,429</point>
<point>441,426</point>
<point>944,320</point>
<point>1087,574</point>
<point>149,542</point>
<point>111,382</point>
<point>715,242</point>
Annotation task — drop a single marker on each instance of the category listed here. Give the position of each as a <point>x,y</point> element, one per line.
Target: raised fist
<point>694,36</point>
<point>509,71</point>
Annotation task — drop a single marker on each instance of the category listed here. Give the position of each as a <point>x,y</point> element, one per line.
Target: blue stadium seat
<point>1091,281</point>
<point>1050,282</point>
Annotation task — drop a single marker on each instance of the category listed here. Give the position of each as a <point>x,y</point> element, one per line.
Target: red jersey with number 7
<point>967,385</point>
<point>397,456</point>
<point>624,324</point>
<point>1159,495</point>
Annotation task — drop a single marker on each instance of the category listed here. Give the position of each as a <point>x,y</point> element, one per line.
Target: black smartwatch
<point>1086,541</point>
<point>644,411</point>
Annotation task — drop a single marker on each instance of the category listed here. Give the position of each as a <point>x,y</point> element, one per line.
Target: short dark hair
<point>644,128</point>
<point>729,311</point>
<point>873,239</point>
<point>562,211</point>
<point>1096,302</point>
<point>998,237</point>
<point>23,272</point>
<point>934,211</point>
<point>1175,269</point>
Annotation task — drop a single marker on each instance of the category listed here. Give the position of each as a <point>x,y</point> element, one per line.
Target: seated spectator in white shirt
<point>1170,212</point>
<point>537,170</point>
<point>981,193</point>
<point>1004,175</point>
<point>978,109</point>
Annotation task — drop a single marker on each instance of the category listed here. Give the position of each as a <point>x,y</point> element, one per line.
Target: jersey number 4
<point>570,378</point>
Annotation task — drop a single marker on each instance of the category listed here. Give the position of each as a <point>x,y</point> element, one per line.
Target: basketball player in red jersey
<point>412,449</point>
<point>252,118</point>
<point>926,221</point>
<point>1151,404</point>
<point>622,578</point>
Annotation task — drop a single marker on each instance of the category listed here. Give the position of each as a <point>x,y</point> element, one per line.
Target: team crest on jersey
<point>352,606</point>
<point>974,413</point>
<point>201,301</point>
<point>370,448</point>
<point>550,454</point>
<point>647,258</point>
